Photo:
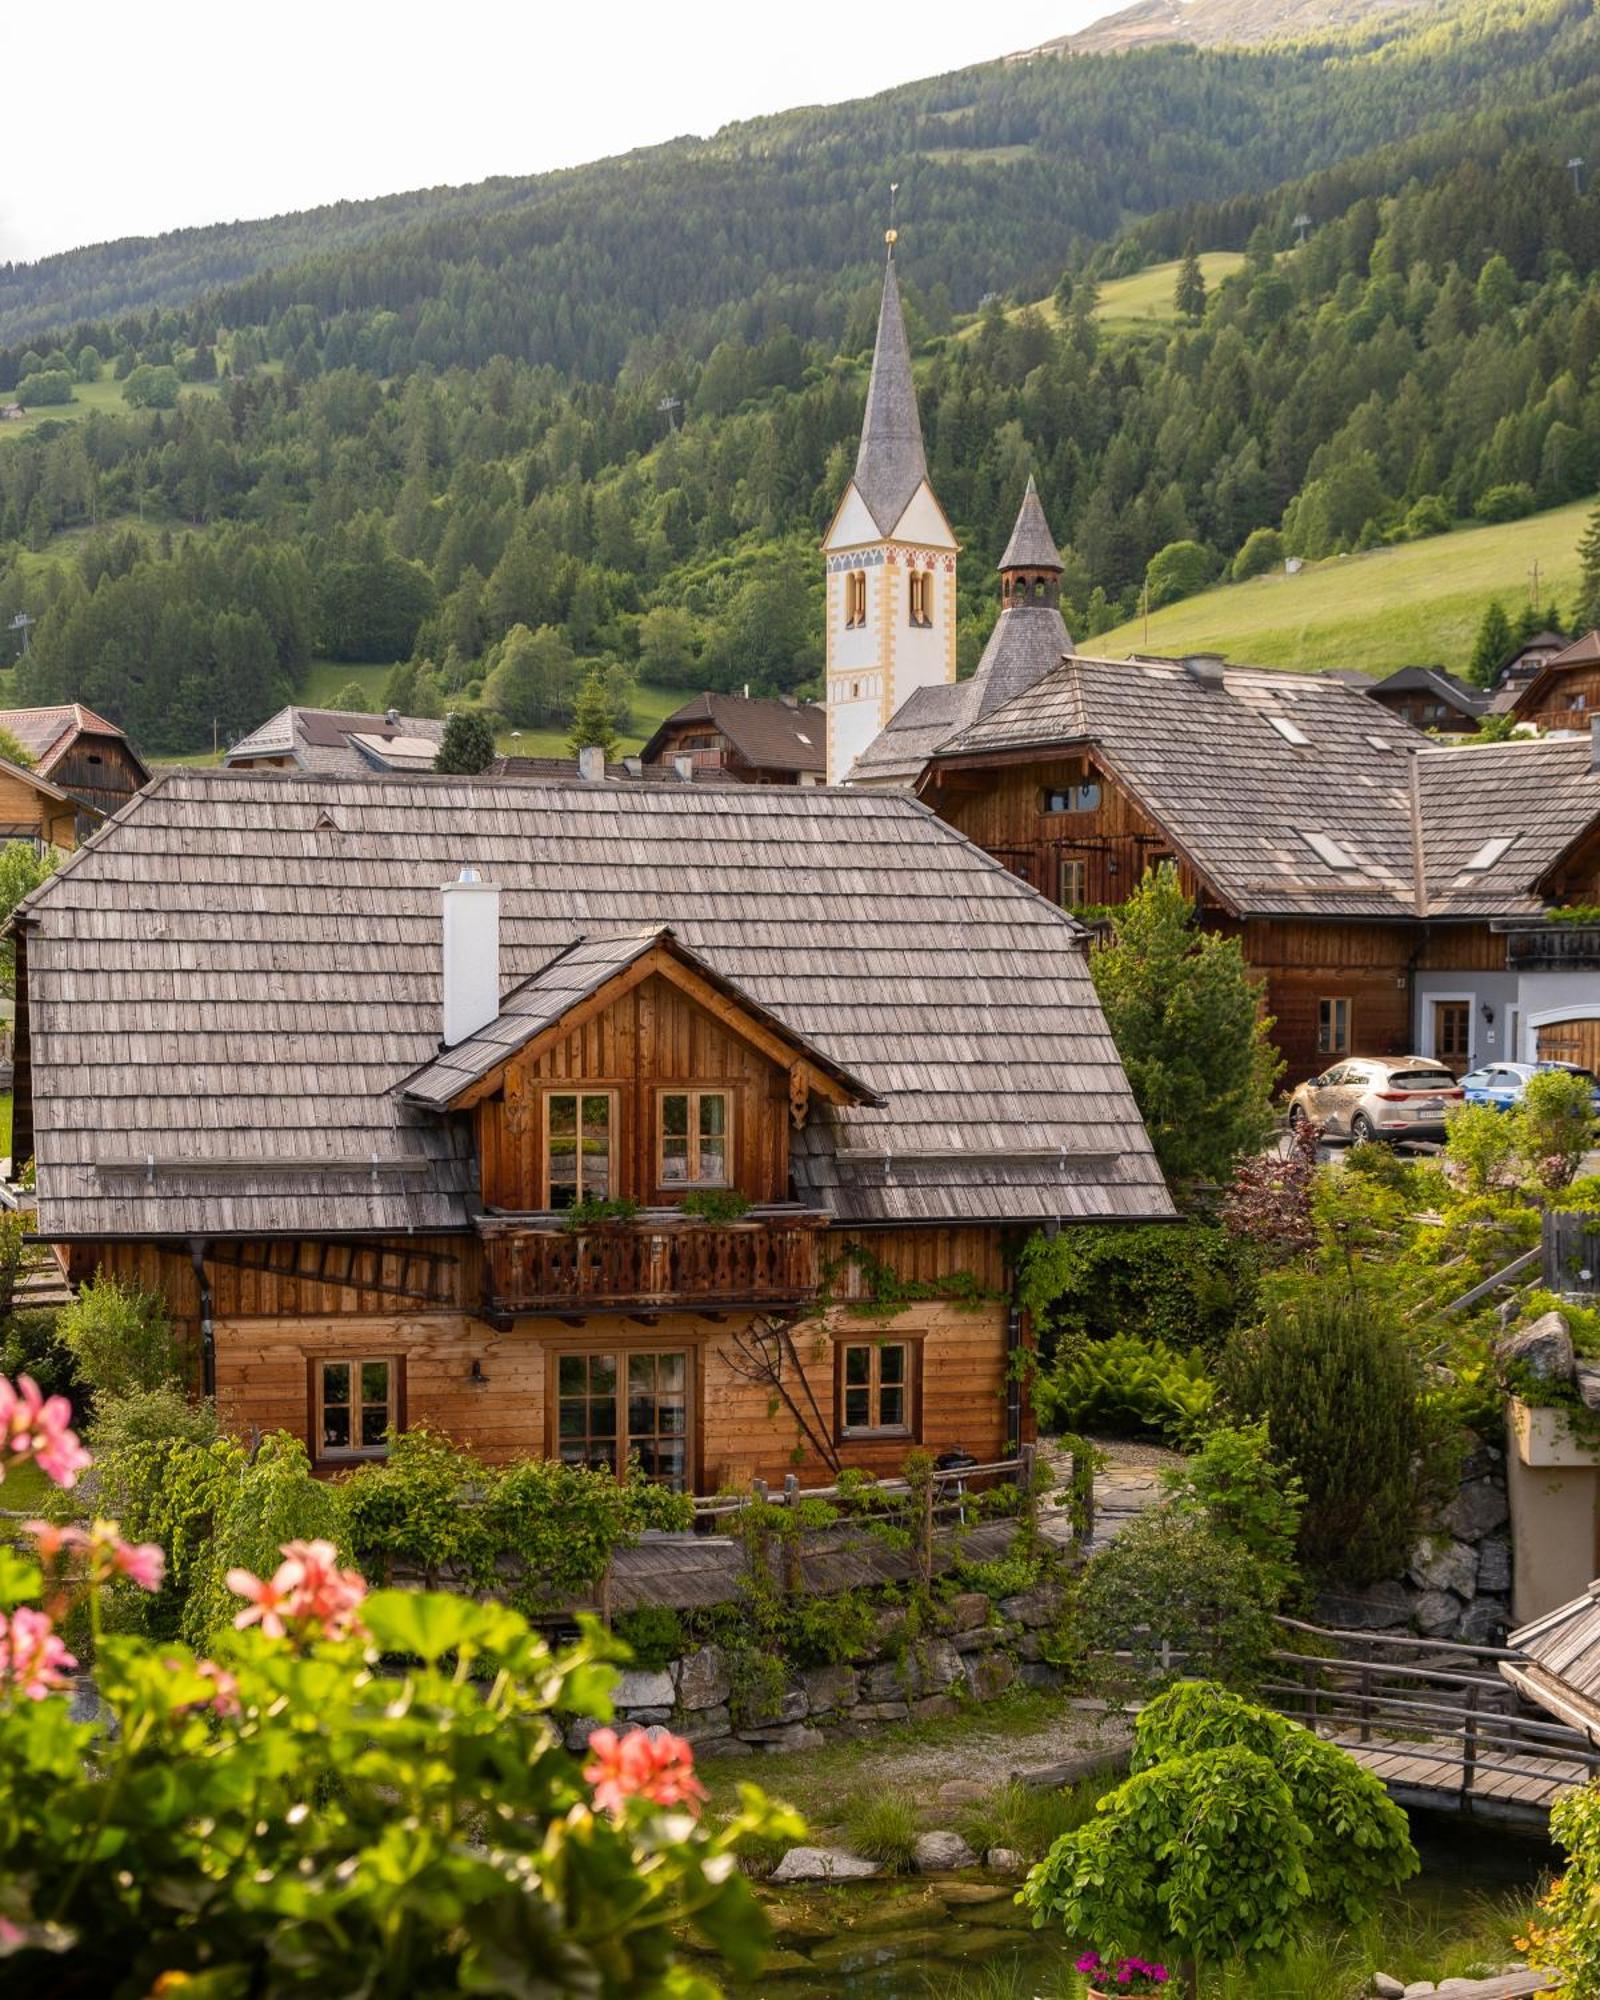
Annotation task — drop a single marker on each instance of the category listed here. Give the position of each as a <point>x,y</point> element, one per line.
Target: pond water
<point>965,1938</point>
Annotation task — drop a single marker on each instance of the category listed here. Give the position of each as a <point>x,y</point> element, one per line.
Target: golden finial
<point>891,235</point>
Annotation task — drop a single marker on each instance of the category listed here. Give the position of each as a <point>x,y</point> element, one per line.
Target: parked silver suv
<point>1382,1097</point>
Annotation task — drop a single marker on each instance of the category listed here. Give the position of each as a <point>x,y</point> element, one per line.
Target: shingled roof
<point>333,742</point>
<point>46,733</point>
<point>773,735</point>
<point>227,986</point>
<point>1032,546</point>
<point>890,465</point>
<point>1291,794</point>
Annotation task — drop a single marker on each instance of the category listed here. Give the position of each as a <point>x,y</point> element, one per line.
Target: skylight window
<point>1329,851</point>
<point>1382,743</point>
<point>1290,732</point>
<point>1491,851</point>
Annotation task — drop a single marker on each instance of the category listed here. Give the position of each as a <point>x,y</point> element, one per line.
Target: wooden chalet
<point>757,742</point>
<point>574,1118</point>
<point>1564,694</point>
<point>1431,699</point>
<point>81,754</point>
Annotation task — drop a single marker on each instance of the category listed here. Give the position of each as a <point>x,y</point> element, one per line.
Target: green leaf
<point>429,1624</point>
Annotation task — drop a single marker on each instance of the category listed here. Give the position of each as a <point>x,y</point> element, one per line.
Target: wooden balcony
<point>659,1260</point>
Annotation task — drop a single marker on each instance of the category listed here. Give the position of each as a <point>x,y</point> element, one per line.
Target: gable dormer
<point>629,1069</point>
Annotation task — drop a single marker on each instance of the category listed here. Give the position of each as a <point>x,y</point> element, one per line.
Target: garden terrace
<point>660,1258</point>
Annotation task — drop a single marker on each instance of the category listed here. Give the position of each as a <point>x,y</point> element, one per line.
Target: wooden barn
<point>83,755</point>
<point>1564,693</point>
<point>582,1119</point>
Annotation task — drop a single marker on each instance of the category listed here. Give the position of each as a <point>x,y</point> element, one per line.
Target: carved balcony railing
<point>1552,946</point>
<point>657,1259</point>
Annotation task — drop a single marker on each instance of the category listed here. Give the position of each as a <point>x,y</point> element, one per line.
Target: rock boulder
<point>823,1864</point>
<point>937,1852</point>
<point>1543,1349</point>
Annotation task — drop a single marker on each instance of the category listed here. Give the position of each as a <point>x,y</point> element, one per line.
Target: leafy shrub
<point>1342,1396</point>
<point>1234,1484</point>
<point>45,389</point>
<point>1429,514</point>
<point>1262,550</point>
<point>715,1204</point>
<point>31,1344</point>
<point>121,1338</point>
<point>1176,1597</point>
<point>1509,502</point>
<point>653,1634</point>
<point>1554,1125</point>
<point>1479,1140</point>
<point>1028,1819</point>
<point>1178,570</point>
<point>827,1631</point>
<point>1188,1284</point>
<point>882,1826</point>
<point>1567,1936</point>
<point>1127,1387</point>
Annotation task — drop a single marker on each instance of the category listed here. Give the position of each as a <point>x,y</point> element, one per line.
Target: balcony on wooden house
<point>659,1260</point>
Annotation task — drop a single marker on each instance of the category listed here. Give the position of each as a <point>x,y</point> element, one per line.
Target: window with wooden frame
<point>614,1405</point>
<point>855,597</point>
<point>919,596</point>
<point>692,1138</point>
<point>1333,1026</point>
<point>1072,881</point>
<point>1452,1030</point>
<point>580,1139</point>
<point>1071,798</point>
<point>356,1401</point>
<point>876,1388</point>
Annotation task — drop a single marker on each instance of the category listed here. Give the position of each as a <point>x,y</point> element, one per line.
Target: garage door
<point>1571,1041</point>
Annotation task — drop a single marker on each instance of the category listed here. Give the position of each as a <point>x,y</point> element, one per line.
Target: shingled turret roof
<point>1032,546</point>
<point>890,465</point>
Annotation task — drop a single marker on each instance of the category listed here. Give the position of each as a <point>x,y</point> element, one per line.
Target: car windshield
<point>1420,1079</point>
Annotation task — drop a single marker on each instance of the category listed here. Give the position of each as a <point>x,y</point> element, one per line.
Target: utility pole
<point>1302,223</point>
<point>1575,168</point>
<point>20,624</point>
<point>1533,594</point>
<point>1144,599</point>
<point>668,406</point>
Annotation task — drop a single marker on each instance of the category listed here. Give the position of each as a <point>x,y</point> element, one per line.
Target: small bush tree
<point>51,386</point>
<point>1178,570</point>
<point>1554,1126</point>
<point>467,745</point>
<point>1428,514</point>
<point>594,718</point>
<point>1182,1008</point>
<point>1479,1140</point>
<point>353,699</point>
<point>1262,550</point>
<point>1509,502</point>
<point>121,1338</point>
<point>1567,1936</point>
<point>1233,1829</point>
<point>1341,1393</point>
<point>1236,1486</point>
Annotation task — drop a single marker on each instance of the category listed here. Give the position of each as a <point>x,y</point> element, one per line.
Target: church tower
<point>891,560</point>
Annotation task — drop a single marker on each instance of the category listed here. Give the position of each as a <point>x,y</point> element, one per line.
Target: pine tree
<point>594,720</point>
<point>467,745</point>
<point>1586,612</point>
<point>1492,647</point>
<point>1189,294</point>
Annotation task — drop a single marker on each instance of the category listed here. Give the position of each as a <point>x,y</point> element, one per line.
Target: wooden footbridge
<point>1434,1719</point>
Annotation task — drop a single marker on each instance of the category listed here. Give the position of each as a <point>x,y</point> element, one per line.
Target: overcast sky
<point>153,119</point>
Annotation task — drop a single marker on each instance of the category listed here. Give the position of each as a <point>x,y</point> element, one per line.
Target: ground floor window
<point>613,1405</point>
<point>1072,882</point>
<point>356,1403</point>
<point>875,1388</point>
<point>1333,1027</point>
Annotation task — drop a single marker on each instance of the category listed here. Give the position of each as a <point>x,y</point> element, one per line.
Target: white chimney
<point>592,764</point>
<point>471,956</point>
<point>684,766</point>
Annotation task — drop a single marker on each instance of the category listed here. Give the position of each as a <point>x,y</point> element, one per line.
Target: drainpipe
<point>208,1342</point>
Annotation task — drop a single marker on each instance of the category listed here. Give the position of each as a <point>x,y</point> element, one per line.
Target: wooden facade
<point>1333,987</point>
<point>275,1320</point>
<point>755,741</point>
<point>1562,697</point>
<point>40,813</point>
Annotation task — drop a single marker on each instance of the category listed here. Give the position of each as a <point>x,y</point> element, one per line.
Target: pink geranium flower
<point>645,1764</point>
<point>36,1426</point>
<point>145,1563</point>
<point>307,1590</point>
<point>32,1658</point>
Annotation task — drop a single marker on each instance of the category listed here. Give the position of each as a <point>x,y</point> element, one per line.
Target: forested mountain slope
<point>1226,23</point>
<point>418,480</point>
<point>1005,171</point>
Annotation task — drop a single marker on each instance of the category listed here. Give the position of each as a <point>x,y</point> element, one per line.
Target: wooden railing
<point>659,1259</point>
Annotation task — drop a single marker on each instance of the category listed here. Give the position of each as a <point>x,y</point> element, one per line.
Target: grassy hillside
<point>1145,299</point>
<point>1416,605</point>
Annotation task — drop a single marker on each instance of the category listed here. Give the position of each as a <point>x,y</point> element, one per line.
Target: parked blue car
<point>1502,1084</point>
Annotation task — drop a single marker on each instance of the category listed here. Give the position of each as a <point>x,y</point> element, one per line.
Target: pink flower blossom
<point>53,1538</point>
<point>32,1658</point>
<point>36,1426</point>
<point>307,1589</point>
<point>11,1935</point>
<point>224,1697</point>
<point>645,1764</point>
<point>144,1563</point>
<point>109,1554</point>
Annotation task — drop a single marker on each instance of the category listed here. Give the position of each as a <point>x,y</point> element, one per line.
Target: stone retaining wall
<point>981,1650</point>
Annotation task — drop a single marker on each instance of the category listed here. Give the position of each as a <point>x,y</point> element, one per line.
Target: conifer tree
<point>1586,612</point>
<point>594,718</point>
<point>1189,295</point>
<point>467,746</point>
<point>1492,645</point>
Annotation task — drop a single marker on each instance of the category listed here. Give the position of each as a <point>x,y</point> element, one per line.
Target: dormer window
<point>1071,798</point>
<point>692,1138</point>
<point>855,597</point>
<point>919,588</point>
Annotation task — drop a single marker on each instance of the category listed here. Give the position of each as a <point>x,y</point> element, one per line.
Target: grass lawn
<point>5,1124</point>
<point>104,395</point>
<point>1416,605</point>
<point>1146,297</point>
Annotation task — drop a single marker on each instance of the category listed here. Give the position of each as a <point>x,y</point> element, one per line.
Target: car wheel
<point>1297,1117</point>
<point>1361,1128</point>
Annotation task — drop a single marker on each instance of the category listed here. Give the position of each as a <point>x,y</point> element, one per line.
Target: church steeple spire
<point>1030,569</point>
<point>890,465</point>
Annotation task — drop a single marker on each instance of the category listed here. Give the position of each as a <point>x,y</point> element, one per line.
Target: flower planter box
<point>1544,1437</point>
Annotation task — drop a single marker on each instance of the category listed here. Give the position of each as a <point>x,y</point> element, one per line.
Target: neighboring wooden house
<point>1514,672</point>
<point>1565,692</point>
<point>757,742</point>
<point>342,1117</point>
<point>83,754</point>
<point>335,743</point>
<point>1431,699</point>
<point>1394,893</point>
<point>33,809</point>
